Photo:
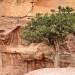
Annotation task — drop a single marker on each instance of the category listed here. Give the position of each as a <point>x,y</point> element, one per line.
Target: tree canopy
<point>47,27</point>
<point>51,28</point>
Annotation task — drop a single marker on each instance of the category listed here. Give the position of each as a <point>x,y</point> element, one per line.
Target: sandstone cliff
<point>16,59</point>
<point>20,8</point>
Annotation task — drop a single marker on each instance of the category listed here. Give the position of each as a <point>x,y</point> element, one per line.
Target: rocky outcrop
<point>16,59</point>
<point>20,59</point>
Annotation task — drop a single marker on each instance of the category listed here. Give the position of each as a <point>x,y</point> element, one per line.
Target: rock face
<point>20,8</point>
<point>13,60</point>
<point>16,59</point>
<point>14,8</point>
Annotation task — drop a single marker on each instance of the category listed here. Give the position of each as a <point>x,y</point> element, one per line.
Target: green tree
<point>51,28</point>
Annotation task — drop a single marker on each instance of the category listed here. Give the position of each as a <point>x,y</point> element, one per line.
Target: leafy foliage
<point>45,27</point>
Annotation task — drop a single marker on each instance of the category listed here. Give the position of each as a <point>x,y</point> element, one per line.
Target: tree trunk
<point>56,59</point>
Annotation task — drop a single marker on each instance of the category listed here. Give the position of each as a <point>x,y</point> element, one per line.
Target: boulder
<point>53,71</point>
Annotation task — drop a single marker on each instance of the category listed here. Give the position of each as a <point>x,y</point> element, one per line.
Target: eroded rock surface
<point>13,60</point>
<point>20,8</point>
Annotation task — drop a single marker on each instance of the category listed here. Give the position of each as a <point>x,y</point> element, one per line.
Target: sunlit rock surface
<point>20,8</point>
<point>56,71</point>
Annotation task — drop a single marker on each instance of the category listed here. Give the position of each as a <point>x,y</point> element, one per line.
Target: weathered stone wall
<point>13,38</point>
<point>14,64</point>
